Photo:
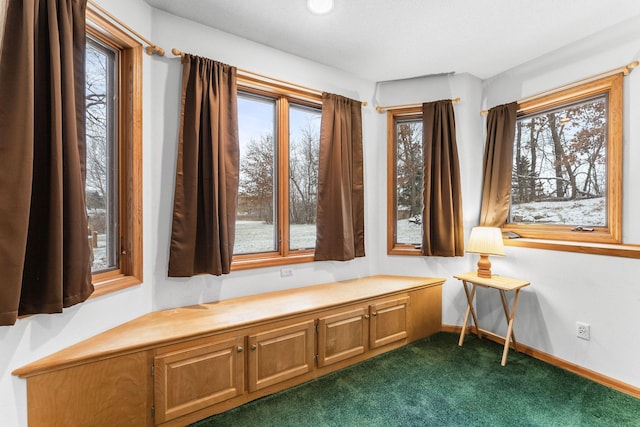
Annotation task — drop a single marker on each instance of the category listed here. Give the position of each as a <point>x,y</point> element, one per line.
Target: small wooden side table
<point>502,284</point>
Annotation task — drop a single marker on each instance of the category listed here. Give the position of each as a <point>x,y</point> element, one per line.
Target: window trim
<point>129,156</point>
<point>612,86</point>
<point>393,116</point>
<point>284,96</point>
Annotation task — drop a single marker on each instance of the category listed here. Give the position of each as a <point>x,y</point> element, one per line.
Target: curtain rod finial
<point>176,51</point>
<point>150,50</point>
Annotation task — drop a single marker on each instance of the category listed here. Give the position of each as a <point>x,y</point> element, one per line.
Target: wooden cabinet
<point>198,376</point>
<point>177,366</point>
<point>342,335</point>
<point>356,330</point>
<point>280,354</point>
<point>388,322</point>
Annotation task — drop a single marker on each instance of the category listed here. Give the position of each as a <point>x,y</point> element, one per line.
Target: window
<point>404,216</point>
<point>113,154</point>
<point>277,198</point>
<point>566,180</point>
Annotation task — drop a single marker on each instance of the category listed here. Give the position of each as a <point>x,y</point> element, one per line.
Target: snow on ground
<point>586,212</point>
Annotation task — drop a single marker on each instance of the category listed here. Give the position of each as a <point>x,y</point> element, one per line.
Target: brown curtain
<point>442,227</point>
<point>340,221</point>
<point>44,246</point>
<point>206,192</point>
<point>497,165</point>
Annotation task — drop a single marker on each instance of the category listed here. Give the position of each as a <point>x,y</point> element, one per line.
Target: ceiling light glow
<point>320,7</point>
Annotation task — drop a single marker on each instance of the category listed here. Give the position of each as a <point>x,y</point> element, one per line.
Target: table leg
<point>470,297</point>
<point>510,327</point>
<point>507,316</point>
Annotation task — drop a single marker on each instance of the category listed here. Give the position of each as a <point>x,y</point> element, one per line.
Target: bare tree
<point>257,178</point>
<point>409,166</point>
<point>303,176</point>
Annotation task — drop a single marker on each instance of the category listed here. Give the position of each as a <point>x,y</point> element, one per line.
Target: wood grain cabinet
<point>388,322</point>
<point>356,330</point>
<point>343,335</point>
<point>197,376</point>
<point>177,366</point>
<point>280,354</point>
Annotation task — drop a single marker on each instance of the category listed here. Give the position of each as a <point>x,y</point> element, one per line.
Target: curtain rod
<point>624,70</point>
<point>382,109</point>
<point>150,50</point>
<point>178,52</point>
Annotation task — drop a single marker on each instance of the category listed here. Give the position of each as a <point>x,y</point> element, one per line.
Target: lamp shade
<point>486,241</point>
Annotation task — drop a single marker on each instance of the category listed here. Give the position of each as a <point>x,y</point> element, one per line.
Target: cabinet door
<point>279,354</point>
<point>342,336</point>
<point>388,322</point>
<point>197,377</point>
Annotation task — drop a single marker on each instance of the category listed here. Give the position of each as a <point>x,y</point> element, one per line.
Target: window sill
<point>408,250</point>
<point>618,250</point>
<point>114,284</point>
<point>249,263</point>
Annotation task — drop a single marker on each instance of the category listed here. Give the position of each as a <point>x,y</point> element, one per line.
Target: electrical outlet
<point>583,330</point>
<point>286,272</point>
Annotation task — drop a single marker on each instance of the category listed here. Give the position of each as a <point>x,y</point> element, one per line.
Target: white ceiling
<point>395,39</point>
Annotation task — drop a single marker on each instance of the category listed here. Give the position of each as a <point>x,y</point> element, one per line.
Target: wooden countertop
<point>174,325</point>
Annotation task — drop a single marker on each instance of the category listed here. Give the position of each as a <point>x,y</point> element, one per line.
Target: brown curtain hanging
<point>340,220</point>
<point>206,191</point>
<point>44,246</point>
<point>442,227</point>
<point>497,165</point>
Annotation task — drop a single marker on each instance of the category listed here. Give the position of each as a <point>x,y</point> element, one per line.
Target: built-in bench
<point>176,366</point>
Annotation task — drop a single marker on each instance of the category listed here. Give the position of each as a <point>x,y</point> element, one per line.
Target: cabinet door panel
<point>342,336</point>
<point>280,354</point>
<point>197,377</point>
<point>388,322</point>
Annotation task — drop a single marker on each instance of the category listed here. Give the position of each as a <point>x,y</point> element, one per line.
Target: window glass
<point>408,173</point>
<point>560,166</point>
<point>304,145</point>
<point>113,107</point>
<point>256,220</point>
<point>566,181</point>
<point>277,199</point>
<point>102,155</point>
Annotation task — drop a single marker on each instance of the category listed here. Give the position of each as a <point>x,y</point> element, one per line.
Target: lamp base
<point>484,267</point>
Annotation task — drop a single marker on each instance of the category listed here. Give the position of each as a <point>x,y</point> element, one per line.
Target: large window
<point>277,197</point>
<point>405,156</point>
<point>113,154</point>
<point>566,180</point>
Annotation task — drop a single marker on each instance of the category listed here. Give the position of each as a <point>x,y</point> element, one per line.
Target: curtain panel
<point>340,213</point>
<point>442,226</point>
<point>497,165</point>
<point>206,187</point>
<point>44,246</point>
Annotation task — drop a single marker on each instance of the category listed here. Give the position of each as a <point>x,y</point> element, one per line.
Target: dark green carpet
<point>433,382</point>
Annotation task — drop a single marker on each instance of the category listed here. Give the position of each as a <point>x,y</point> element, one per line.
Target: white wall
<point>170,31</point>
<point>469,135</point>
<point>37,336</point>
<point>602,291</point>
<point>566,287</point>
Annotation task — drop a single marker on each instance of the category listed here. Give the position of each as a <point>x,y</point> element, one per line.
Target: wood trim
<point>560,363</point>
<point>393,115</point>
<point>283,97</point>
<point>618,250</point>
<point>130,269</point>
<point>282,181</point>
<point>160,328</point>
<point>249,261</point>
<point>612,232</point>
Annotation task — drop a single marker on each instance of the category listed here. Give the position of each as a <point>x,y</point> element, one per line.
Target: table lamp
<point>485,241</point>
